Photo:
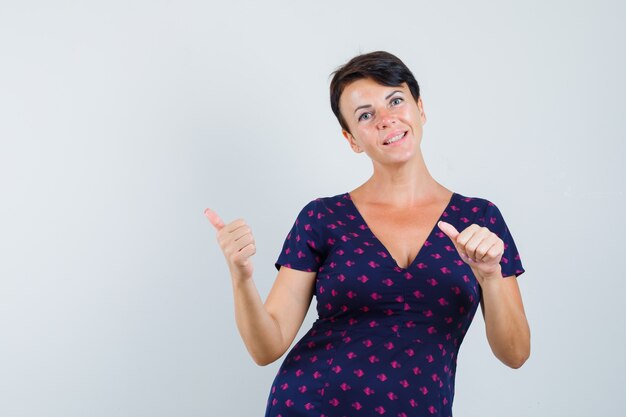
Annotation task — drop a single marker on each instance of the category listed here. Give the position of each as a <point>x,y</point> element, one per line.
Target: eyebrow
<point>386,98</point>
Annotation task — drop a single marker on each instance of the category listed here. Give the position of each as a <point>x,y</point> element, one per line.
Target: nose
<point>385,119</point>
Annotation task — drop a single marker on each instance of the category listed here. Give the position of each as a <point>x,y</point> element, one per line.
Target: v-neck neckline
<point>380,243</point>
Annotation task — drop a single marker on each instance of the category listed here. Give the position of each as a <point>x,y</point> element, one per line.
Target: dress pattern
<point>386,339</point>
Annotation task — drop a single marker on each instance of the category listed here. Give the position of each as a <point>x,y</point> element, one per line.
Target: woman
<point>398,267</point>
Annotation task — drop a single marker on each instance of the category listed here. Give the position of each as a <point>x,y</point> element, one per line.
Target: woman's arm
<point>506,325</point>
<point>267,329</point>
<point>507,329</point>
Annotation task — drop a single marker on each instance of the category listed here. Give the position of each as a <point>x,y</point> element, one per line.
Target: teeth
<point>394,139</point>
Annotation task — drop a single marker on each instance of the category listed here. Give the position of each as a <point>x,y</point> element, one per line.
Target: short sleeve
<point>302,249</point>
<point>511,262</point>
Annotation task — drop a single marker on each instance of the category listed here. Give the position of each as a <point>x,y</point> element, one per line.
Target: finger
<point>243,256</point>
<point>248,250</point>
<point>232,232</point>
<point>483,250</point>
<point>232,248</point>
<point>215,220</point>
<point>461,242</point>
<point>480,243</point>
<point>240,232</point>
<point>448,229</point>
<point>493,246</point>
<point>244,241</point>
<point>454,235</point>
<point>490,253</point>
<point>495,251</point>
<point>234,225</point>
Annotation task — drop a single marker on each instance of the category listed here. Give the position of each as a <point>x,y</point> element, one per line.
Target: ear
<point>420,108</point>
<point>352,141</point>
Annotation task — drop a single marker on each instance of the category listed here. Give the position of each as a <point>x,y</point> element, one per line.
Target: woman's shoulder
<point>325,207</point>
<point>330,201</point>
<point>477,209</point>
<point>473,201</point>
<point>471,208</point>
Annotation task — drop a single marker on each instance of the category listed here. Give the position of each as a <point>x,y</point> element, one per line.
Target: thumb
<point>215,220</point>
<point>449,230</point>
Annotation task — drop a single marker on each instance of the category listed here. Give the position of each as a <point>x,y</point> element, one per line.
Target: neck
<point>402,185</point>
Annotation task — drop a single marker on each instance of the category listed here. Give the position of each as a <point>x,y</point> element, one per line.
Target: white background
<point>120,121</point>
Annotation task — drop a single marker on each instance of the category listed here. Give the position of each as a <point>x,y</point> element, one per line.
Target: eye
<point>365,116</point>
<point>396,101</point>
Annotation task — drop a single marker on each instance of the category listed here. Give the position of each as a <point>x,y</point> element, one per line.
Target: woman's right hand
<point>237,244</point>
<point>269,328</point>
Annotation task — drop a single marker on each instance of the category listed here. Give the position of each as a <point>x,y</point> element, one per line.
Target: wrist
<point>240,278</point>
<point>490,276</point>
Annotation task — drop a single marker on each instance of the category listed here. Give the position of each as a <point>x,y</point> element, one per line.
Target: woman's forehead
<point>367,89</point>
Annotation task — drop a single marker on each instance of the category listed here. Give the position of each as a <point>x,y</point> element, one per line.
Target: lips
<point>394,137</point>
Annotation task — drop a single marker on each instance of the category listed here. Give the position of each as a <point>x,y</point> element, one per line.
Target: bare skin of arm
<point>507,329</point>
<point>267,329</point>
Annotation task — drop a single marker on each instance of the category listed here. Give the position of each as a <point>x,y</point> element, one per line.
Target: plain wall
<point>120,121</point>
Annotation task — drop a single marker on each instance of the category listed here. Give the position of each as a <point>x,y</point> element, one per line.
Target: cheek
<point>364,135</point>
<point>413,114</point>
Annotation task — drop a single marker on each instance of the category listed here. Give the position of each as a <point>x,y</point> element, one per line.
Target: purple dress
<point>387,338</point>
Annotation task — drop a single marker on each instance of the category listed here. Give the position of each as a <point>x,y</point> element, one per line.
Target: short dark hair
<point>380,66</point>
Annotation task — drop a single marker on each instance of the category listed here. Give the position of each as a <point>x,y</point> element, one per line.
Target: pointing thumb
<point>215,220</point>
<point>448,229</point>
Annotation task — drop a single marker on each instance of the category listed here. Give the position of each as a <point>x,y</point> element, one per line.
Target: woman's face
<point>385,122</point>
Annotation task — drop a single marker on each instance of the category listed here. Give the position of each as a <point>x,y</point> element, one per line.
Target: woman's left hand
<point>478,247</point>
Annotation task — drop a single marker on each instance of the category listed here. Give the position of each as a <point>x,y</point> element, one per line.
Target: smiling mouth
<point>394,139</point>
